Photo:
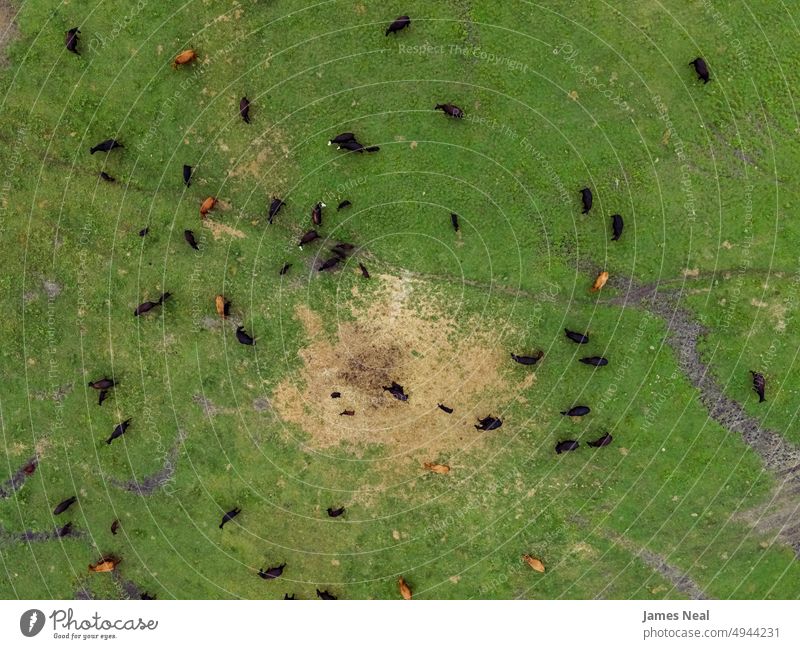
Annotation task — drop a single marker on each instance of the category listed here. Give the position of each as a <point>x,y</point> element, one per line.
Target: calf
<point>599,282</point>
<point>274,207</point>
<point>207,205</point>
<point>443,407</point>
<point>357,147</point>
<point>324,594</point>
<point>189,236</point>
<point>342,138</point>
<point>187,56</point>
<point>107,178</point>
<point>364,271</point>
<point>308,237</point>
<point>450,110</point>
<point>329,263</point>
<point>605,440</point>
<point>343,204</point>
<point>335,513</point>
<point>244,109</point>
<point>285,268</point>
<point>454,220</point>
<point>405,589</point>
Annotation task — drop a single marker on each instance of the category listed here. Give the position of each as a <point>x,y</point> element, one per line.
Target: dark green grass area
<point>703,176</point>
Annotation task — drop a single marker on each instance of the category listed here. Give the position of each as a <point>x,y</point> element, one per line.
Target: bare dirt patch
<point>218,230</point>
<point>400,333</point>
<point>8,30</point>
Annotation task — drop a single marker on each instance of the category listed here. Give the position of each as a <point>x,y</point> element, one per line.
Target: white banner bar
<point>401,624</point>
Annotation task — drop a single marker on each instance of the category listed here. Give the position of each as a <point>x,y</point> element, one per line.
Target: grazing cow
<point>335,513</point>
<point>398,25</point>
<point>599,282</point>
<point>274,207</point>
<point>244,109</point>
<point>271,573</point>
<point>454,220</point>
<point>759,383</point>
<point>102,397</point>
<point>187,56</point>
<point>396,390</point>
<point>577,411</point>
<point>316,213</point>
<point>586,198</point>
<point>144,307</point>
<point>233,513</point>
<point>441,406</point>
<point>147,596</point>
<point>286,596</point>
<point>119,431</point>
<point>207,205</point>
<point>605,440</point>
<point>222,306</point>
<point>187,175</point>
<point>567,445</point>
<point>364,271</point>
<point>575,337</point>
<point>528,360</point>
<point>702,69</point>
<point>343,204</point>
<point>189,236</point>
<point>107,178</point>
<point>71,40</point>
<point>347,413</point>
<point>65,531</point>
<point>616,226</point>
<point>114,527</point>
<point>597,361</point>
<point>106,564</point>
<point>324,594</point>
<point>243,337</point>
<point>534,563</point>
<point>329,263</point>
<point>64,505</point>
<point>441,469</point>
<point>342,138</point>
<point>308,237</point>
<point>102,384</point>
<point>335,395</point>
<point>488,423</point>
<point>285,268</point>
<point>143,232</point>
<point>343,250</point>
<point>450,110</point>
<point>105,146</point>
<point>405,589</point>
<point>357,147</point>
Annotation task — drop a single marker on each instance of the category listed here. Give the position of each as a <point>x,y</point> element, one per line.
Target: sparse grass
<point>673,482</point>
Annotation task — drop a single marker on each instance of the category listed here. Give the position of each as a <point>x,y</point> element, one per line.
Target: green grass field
<point>557,97</point>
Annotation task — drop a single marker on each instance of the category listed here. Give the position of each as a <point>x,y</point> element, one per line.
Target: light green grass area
<point>557,97</point>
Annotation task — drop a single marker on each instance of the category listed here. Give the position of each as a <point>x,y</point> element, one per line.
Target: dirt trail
<point>15,482</point>
<point>151,483</point>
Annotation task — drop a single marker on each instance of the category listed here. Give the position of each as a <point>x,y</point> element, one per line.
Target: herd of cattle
<point>339,253</point>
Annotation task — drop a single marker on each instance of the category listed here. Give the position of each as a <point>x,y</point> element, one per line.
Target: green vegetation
<point>703,175</point>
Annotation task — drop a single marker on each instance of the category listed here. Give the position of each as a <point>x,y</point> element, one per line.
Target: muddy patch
<point>149,484</point>
<point>15,482</point>
<point>404,334</point>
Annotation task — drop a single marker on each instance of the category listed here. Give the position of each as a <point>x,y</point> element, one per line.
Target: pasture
<point>694,496</point>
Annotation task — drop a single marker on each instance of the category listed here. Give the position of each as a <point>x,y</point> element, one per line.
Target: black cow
<point>324,594</point>
<point>189,236</point>
<point>396,390</point>
<point>243,337</point>
<point>143,232</point>
<point>271,573</point>
<point>616,226</point>
<point>577,411</point>
<point>187,175</point>
<point>233,513</point>
<point>597,361</point>
<point>441,406</point>
<point>454,220</point>
<point>575,337</point>
<point>357,147</point>
<point>364,271</point>
<point>316,213</point>
<point>285,268</point>
<point>343,204</point>
<point>64,505</point>
<point>102,384</point>
<point>528,360</point>
<point>759,383</point>
<point>114,527</point>
<point>71,40</point>
<point>488,423</point>
<point>586,198</point>
<point>102,397</point>
<point>702,69</point>
<point>342,138</point>
<point>107,178</point>
<point>286,596</point>
<point>105,145</point>
<point>244,109</point>
<point>144,307</point>
<point>398,25</point>
<point>329,263</point>
<point>334,513</point>
<point>343,249</point>
<point>119,431</point>
<point>566,445</point>
<point>308,237</point>
<point>335,395</point>
<point>274,207</point>
<point>451,110</point>
<point>605,440</point>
